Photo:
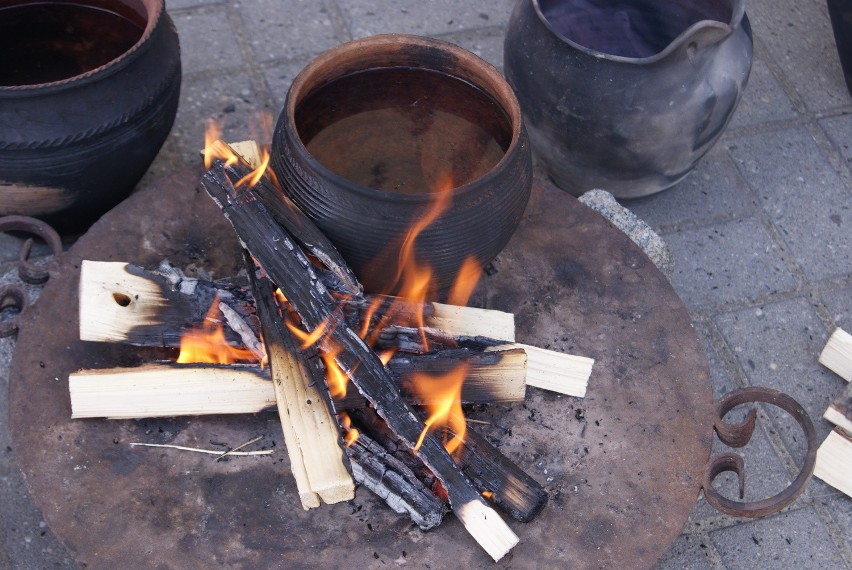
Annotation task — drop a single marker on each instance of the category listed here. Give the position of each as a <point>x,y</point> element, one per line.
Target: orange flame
<point>442,397</point>
<point>208,344</point>
<point>465,282</point>
<point>386,356</point>
<point>352,434</point>
<point>335,376</point>
<point>215,148</point>
<point>307,339</point>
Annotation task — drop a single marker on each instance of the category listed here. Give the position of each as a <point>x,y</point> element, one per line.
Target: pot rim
<point>154,10</point>
<point>715,27</point>
<point>317,73</point>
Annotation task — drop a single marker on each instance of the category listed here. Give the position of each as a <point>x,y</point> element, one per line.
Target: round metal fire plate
<point>623,466</point>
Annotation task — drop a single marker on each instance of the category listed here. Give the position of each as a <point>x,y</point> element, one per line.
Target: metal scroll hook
<point>29,272</point>
<point>737,435</point>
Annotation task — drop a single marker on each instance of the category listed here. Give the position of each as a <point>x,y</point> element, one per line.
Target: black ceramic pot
<point>626,95</point>
<point>375,130</point>
<point>88,93</point>
<point>840,12</point>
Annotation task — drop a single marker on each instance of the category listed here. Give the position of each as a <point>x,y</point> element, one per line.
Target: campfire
<point>370,388</point>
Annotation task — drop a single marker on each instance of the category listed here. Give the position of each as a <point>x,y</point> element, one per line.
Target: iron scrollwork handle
<point>737,435</point>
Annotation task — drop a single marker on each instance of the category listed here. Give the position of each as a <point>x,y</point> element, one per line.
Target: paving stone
<point>270,29</point>
<point>839,303</point>
<point>174,5</point>
<point>279,77</point>
<point>839,129</point>
<point>793,539</point>
<point>366,18</point>
<point>777,346</point>
<point>712,191</point>
<point>799,38</point>
<point>687,553</point>
<point>710,261</point>
<point>206,41</point>
<point>764,100</point>
<point>793,180</point>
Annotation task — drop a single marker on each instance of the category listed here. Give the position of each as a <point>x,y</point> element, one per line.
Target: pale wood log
<point>287,266</point>
<point>470,321</point>
<point>555,371</point>
<point>310,429</point>
<point>837,354</point>
<point>169,389</point>
<point>839,412</point>
<point>834,460</point>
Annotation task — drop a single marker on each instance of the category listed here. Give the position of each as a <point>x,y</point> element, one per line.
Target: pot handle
<point>737,435</point>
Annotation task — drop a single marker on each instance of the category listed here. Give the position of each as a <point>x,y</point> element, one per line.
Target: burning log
<point>169,389</point>
<point>310,429</point>
<point>394,482</point>
<point>277,253</point>
<point>494,475</point>
<point>120,302</point>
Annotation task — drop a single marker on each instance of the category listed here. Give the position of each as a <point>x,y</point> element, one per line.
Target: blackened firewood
<point>513,490</point>
<point>288,267</point>
<point>394,482</point>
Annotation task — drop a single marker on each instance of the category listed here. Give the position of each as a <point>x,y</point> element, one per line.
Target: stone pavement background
<point>761,233</point>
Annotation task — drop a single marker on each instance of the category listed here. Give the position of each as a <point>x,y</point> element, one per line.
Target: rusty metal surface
<point>623,466</point>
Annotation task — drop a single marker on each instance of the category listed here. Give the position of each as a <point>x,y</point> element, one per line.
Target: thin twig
<point>208,451</point>
<point>234,451</point>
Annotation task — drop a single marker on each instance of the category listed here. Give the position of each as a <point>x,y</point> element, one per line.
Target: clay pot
<point>840,12</point>
<point>373,131</point>
<point>88,93</point>
<point>626,95</point>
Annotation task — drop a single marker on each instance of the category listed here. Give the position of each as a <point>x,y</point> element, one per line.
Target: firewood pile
<point>370,389</point>
<point>834,457</point>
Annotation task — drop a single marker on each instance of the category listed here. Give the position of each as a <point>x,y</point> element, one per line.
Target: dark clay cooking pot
<point>88,93</point>
<point>373,131</point>
<point>626,95</point>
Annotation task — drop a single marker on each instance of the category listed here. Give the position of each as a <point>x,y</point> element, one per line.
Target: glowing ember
<point>208,344</point>
<point>352,434</point>
<point>442,395</point>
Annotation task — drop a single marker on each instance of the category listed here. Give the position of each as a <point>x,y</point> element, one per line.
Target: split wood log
<point>834,460</point>
<point>555,371</point>
<point>839,412</point>
<point>311,432</point>
<point>167,389</point>
<point>287,266</point>
<point>121,302</point>
<point>394,482</point>
<point>837,354</point>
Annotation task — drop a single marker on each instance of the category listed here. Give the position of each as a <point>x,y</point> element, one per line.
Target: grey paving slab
<point>777,346</point>
<point>839,303</point>
<point>689,552</point>
<point>839,129</point>
<point>711,192</point>
<point>288,28</point>
<point>798,37</point>
<point>174,5</point>
<point>764,99</point>
<point>792,179</point>
<point>279,77</point>
<point>794,539</point>
<point>365,17</point>
<point>727,262</point>
<point>207,41</point>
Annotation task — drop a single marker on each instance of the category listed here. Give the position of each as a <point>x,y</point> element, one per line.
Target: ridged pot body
<point>73,148</point>
<point>368,225</point>
<point>630,125</point>
<point>840,12</point>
